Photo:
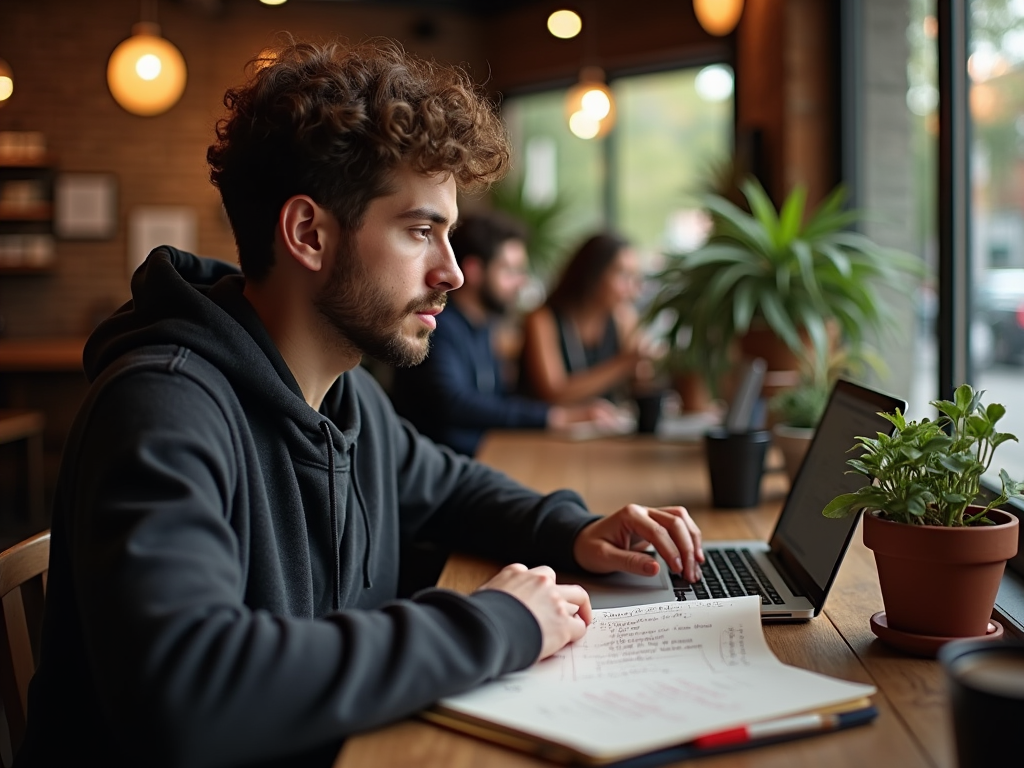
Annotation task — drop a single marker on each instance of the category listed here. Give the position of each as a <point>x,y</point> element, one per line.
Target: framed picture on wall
<point>85,206</point>
<point>154,225</point>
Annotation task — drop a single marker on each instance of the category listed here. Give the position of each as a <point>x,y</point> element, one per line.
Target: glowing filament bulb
<point>148,67</point>
<point>596,104</point>
<point>564,24</point>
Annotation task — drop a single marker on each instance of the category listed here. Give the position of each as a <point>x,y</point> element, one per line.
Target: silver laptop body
<point>793,571</point>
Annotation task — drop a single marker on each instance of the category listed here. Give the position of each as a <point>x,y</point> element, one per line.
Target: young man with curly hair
<point>236,492</point>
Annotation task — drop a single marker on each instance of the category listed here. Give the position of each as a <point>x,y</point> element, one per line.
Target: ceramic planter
<point>694,394</point>
<point>940,582</point>
<point>792,443</point>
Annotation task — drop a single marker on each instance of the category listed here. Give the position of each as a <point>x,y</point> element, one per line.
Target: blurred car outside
<point>1000,304</point>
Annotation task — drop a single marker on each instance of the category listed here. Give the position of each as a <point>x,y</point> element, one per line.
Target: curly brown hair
<point>333,121</point>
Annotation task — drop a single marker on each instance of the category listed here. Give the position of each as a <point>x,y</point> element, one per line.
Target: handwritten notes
<point>653,639</point>
<point>652,676</point>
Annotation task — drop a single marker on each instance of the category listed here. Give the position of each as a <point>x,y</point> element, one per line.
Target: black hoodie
<point>224,559</point>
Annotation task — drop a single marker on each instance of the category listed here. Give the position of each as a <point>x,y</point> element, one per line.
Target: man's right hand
<point>562,610</point>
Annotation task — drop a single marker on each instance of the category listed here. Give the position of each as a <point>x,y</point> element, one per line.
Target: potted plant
<point>939,548</point>
<point>687,380</point>
<point>795,411</point>
<point>802,279</point>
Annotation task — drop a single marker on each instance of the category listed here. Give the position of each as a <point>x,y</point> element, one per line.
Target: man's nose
<point>445,275</point>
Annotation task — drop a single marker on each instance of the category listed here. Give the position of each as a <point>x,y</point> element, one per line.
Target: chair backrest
<point>23,569</point>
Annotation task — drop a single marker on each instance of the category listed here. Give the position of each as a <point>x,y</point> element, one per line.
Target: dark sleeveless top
<point>578,357</point>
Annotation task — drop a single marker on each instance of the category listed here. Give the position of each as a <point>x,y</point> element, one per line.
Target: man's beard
<point>363,313</point>
<point>492,302</point>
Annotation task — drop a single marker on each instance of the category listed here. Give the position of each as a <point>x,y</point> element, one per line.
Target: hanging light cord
<point>148,11</point>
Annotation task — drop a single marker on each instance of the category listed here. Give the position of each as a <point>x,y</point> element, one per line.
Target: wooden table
<point>913,727</point>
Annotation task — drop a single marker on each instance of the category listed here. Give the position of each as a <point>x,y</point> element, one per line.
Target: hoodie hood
<point>176,299</point>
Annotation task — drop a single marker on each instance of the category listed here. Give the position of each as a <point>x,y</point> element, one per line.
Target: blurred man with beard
<point>462,389</point>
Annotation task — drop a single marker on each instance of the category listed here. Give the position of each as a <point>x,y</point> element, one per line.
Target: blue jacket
<point>458,392</point>
<point>224,558</point>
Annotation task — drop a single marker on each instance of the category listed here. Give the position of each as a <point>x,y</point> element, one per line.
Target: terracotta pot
<point>783,364</point>
<point>694,393</point>
<point>762,342</point>
<point>940,582</point>
<point>792,443</point>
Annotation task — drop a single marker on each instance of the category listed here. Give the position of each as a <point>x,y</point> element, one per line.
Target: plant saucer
<point>922,645</point>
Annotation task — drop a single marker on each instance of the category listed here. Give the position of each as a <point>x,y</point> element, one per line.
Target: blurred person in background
<point>461,390</point>
<point>585,340</point>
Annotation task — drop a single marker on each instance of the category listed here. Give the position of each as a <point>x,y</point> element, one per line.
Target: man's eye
<point>424,232</point>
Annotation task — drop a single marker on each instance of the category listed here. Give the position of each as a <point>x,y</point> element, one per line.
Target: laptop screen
<point>804,538</point>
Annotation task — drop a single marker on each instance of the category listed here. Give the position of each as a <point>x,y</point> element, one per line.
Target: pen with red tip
<point>786,726</point>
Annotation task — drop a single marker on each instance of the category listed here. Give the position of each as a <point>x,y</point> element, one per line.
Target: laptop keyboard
<point>728,572</point>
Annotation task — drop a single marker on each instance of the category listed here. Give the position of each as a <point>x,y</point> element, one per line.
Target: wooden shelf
<point>39,161</point>
<point>37,212</point>
<point>42,354</point>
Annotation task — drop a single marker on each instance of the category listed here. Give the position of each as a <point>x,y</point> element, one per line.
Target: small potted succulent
<point>795,411</point>
<point>939,547</point>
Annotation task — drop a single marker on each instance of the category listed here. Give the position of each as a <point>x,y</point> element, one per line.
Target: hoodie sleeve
<point>185,672</point>
<point>463,505</point>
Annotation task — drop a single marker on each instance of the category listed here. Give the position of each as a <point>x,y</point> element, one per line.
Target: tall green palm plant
<point>776,269</point>
<point>546,224</point>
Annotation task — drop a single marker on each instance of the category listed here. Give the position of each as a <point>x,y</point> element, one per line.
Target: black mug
<point>986,692</point>
<point>648,411</point>
<point>736,465</point>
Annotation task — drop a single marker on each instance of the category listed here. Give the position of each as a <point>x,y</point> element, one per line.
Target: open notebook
<point>646,684</point>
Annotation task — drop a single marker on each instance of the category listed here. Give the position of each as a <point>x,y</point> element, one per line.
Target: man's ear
<point>305,230</point>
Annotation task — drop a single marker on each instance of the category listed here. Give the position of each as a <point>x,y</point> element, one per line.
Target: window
<point>890,161</point>
<point>921,108</point>
<point>672,139</point>
<point>995,68</point>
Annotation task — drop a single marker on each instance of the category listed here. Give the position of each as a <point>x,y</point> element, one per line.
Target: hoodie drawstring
<point>335,539</point>
<point>335,536</point>
<point>367,583</point>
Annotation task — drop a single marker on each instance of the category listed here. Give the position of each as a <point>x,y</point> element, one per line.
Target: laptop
<point>793,571</point>
<point>744,412</point>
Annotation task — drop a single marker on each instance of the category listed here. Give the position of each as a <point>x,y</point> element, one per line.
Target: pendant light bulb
<point>718,17</point>
<point>589,106</point>
<point>6,82</point>
<point>146,74</point>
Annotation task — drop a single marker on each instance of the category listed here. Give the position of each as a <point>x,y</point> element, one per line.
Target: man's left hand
<point>614,542</point>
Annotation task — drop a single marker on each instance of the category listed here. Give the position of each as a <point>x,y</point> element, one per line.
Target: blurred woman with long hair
<point>584,341</point>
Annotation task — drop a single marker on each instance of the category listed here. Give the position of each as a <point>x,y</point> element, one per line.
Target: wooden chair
<point>23,570</point>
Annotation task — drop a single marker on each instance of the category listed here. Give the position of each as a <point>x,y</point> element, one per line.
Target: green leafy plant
<point>800,406</point>
<point>776,269</point>
<point>546,225</point>
<point>803,404</point>
<point>928,472</point>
